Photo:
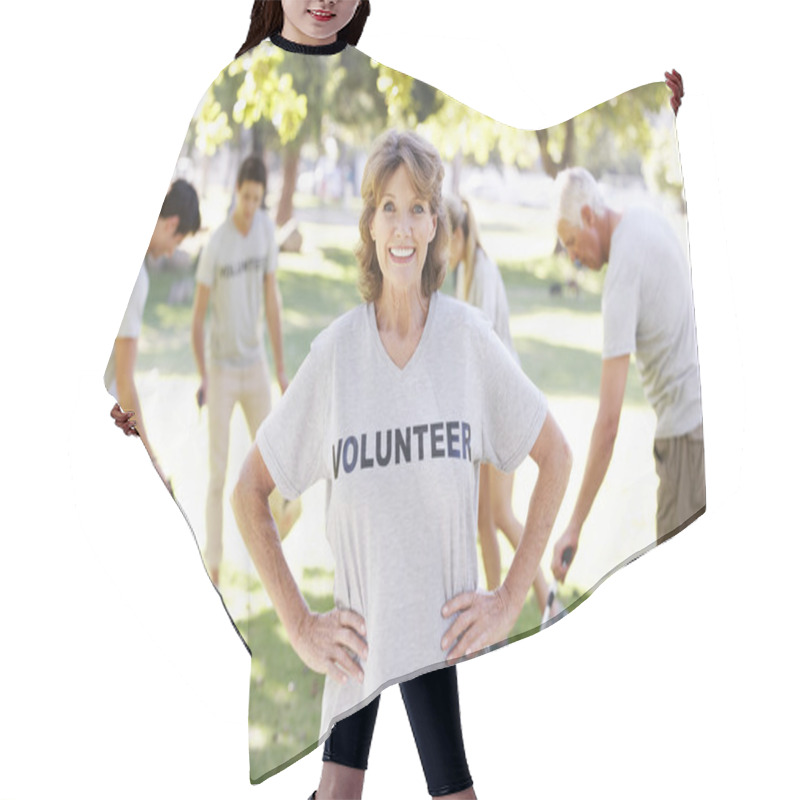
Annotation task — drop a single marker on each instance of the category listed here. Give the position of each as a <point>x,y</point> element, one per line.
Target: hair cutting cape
<point>313,119</point>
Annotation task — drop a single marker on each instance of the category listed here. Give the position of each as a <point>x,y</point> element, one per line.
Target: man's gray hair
<point>575,189</point>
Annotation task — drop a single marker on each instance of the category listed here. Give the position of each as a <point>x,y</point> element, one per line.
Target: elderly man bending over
<point>647,311</point>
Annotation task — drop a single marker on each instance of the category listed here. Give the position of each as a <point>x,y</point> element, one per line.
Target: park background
<point>121,674</point>
<point>330,111</point>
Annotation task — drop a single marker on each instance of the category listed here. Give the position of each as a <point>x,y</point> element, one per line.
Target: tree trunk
<point>549,164</point>
<point>568,156</point>
<point>291,165</point>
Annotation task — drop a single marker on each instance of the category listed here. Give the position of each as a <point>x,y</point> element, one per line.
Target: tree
<point>613,136</point>
<point>459,132</point>
<point>254,93</point>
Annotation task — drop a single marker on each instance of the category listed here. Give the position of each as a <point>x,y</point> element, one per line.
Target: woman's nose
<point>403,224</point>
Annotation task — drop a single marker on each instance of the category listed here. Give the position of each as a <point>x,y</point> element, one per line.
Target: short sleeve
<point>620,308</point>
<point>514,410</point>
<point>292,438</point>
<point>131,325</point>
<point>205,266</point>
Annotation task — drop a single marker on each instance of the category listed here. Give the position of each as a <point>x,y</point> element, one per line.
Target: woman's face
<point>456,247</point>
<point>402,228</point>
<point>315,22</point>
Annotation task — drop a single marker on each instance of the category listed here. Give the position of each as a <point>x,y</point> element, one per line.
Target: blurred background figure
<point>647,311</point>
<point>237,267</point>
<point>179,216</point>
<point>479,283</point>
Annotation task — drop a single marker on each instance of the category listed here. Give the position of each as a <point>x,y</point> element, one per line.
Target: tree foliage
<point>292,101</point>
<point>252,89</point>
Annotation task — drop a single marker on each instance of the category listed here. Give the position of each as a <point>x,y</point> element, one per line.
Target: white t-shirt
<point>648,310</point>
<point>487,293</point>
<point>400,450</point>
<point>234,267</point>
<point>131,326</point>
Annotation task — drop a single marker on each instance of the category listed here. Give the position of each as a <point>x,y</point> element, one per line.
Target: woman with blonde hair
<point>479,283</point>
<point>395,407</point>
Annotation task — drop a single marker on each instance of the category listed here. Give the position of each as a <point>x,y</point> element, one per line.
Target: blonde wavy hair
<point>391,151</point>
<point>459,215</point>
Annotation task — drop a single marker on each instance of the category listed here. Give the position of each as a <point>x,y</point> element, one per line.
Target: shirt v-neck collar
<point>417,355</point>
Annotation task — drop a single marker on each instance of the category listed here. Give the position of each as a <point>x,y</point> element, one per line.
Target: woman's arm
<point>487,618</point>
<point>323,641</point>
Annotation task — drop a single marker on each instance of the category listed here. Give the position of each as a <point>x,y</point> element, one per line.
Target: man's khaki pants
<point>681,469</point>
<point>248,386</point>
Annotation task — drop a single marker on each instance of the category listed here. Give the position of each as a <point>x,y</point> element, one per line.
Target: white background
<point>121,675</point>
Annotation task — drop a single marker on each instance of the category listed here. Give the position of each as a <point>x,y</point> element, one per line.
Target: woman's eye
<point>419,209</point>
<point>388,206</point>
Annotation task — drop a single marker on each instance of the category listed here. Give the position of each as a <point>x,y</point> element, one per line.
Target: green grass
<point>560,368</point>
<point>285,695</point>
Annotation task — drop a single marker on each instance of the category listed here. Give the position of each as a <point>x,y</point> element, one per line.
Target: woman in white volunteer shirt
<point>395,407</point>
<point>479,283</point>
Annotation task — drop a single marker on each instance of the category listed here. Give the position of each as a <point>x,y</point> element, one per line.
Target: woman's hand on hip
<point>329,643</point>
<point>485,618</point>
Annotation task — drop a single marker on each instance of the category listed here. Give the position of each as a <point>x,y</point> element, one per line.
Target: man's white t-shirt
<point>648,310</point>
<point>131,326</point>
<point>234,267</point>
<point>400,451</point>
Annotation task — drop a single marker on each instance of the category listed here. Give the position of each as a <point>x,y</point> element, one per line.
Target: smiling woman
<point>402,531</point>
<point>316,21</point>
<point>402,228</point>
<point>402,242</point>
<point>399,399</point>
<point>306,22</point>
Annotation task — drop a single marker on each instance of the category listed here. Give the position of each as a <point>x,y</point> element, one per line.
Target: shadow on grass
<point>167,325</point>
<point>344,257</point>
<point>544,270</point>
<point>559,368</point>
<point>570,371</point>
<point>529,287</point>
<point>314,573</point>
<point>285,695</point>
<point>315,300</point>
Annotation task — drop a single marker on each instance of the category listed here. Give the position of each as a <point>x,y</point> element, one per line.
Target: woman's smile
<point>322,16</point>
<point>312,22</point>
<point>402,229</point>
<point>402,254</point>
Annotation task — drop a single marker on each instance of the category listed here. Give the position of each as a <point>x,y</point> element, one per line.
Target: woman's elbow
<point>253,486</point>
<point>239,504</point>
<point>554,454</point>
<point>563,458</point>
<point>244,495</point>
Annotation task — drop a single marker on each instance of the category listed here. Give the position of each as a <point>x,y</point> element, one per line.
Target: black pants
<point>431,702</point>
